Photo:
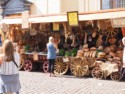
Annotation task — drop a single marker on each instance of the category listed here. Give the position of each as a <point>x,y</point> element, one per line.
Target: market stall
<point>80,47</point>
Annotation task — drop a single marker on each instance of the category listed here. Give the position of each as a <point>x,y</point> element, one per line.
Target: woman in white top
<point>123,66</point>
<point>9,75</point>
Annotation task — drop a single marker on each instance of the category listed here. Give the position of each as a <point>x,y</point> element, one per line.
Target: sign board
<point>118,22</point>
<point>55,26</point>
<point>73,19</point>
<point>25,19</point>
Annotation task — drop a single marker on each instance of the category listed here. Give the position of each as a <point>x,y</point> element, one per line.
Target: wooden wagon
<point>103,69</point>
<point>28,59</point>
<point>79,66</point>
<point>89,64</point>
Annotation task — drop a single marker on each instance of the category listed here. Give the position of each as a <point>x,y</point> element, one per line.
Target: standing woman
<point>51,55</point>
<point>9,74</point>
<point>123,66</point>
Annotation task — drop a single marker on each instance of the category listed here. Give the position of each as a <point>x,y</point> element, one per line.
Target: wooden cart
<point>102,70</point>
<point>30,58</point>
<point>59,68</point>
<point>78,66</point>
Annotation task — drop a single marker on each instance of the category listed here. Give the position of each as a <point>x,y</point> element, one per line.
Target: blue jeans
<point>51,65</point>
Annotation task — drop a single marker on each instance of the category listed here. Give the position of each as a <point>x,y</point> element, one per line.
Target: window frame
<point>115,4</point>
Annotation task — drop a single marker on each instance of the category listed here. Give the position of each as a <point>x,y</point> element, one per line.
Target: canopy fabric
<point>12,21</point>
<point>63,18</point>
<point>60,18</point>
<point>99,16</point>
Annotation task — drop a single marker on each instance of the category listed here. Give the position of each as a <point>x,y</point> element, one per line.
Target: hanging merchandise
<point>5,28</point>
<point>73,38</point>
<point>112,41</point>
<point>85,39</point>
<point>94,34</point>
<point>26,35</point>
<point>66,45</point>
<point>33,30</point>
<point>45,27</point>
<point>99,40</point>
<point>35,56</point>
<point>25,19</point>
<point>55,26</point>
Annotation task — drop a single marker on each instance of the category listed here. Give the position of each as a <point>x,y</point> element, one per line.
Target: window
<point>110,4</point>
<point>121,3</point>
<point>105,4</point>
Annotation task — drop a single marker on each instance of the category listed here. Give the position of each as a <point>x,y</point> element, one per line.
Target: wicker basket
<point>35,56</point>
<point>101,55</point>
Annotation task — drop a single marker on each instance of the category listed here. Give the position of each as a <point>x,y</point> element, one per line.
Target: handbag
<point>15,63</point>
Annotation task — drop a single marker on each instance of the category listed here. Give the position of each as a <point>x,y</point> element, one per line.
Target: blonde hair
<point>8,50</point>
<point>50,39</point>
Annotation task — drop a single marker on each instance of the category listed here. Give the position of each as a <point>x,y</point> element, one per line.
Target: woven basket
<point>101,55</point>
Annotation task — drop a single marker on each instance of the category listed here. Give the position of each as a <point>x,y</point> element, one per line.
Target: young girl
<point>9,75</point>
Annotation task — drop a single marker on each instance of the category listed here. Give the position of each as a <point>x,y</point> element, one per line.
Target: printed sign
<point>73,19</point>
<point>55,26</point>
<point>25,19</point>
<point>118,22</point>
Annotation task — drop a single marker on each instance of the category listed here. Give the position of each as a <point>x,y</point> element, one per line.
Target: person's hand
<point>56,46</point>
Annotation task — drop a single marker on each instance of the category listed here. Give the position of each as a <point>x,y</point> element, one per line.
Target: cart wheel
<point>79,67</point>
<point>97,73</point>
<point>45,66</point>
<point>60,67</point>
<point>28,65</point>
<point>115,76</point>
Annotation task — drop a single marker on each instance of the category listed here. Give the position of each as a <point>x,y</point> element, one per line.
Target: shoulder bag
<point>15,64</point>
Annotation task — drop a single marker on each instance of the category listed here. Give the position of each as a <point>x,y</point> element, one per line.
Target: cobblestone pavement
<point>41,83</point>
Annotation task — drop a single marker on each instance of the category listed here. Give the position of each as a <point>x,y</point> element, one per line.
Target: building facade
<point>45,7</point>
<point>37,8</point>
<point>40,7</point>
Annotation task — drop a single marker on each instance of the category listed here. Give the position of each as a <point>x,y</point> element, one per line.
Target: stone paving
<point>41,83</point>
